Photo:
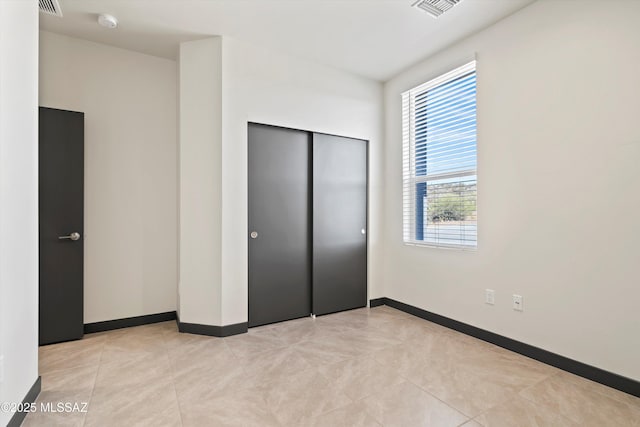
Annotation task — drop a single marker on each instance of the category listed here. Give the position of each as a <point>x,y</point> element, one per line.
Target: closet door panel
<point>339,272</point>
<point>279,224</point>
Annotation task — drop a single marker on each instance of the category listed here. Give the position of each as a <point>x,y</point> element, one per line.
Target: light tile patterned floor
<point>366,367</point>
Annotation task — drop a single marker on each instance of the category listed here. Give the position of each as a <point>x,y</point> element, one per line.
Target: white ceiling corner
<point>372,38</point>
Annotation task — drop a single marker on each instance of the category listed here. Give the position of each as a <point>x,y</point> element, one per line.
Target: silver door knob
<point>254,234</point>
<point>73,236</point>
<point>363,231</point>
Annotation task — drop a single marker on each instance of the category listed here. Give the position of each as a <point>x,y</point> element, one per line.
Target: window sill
<point>465,248</point>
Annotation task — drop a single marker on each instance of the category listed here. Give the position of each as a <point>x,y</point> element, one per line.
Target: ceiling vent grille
<point>435,8</point>
<point>50,7</point>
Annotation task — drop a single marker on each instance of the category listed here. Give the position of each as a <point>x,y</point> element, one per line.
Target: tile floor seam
<point>343,407</point>
<point>578,384</point>
<point>337,408</point>
<point>448,404</point>
<point>95,380</point>
<point>175,391</point>
<point>557,413</point>
<point>486,411</point>
<point>441,400</point>
<point>530,386</point>
<point>582,382</point>
<point>548,410</point>
<point>464,422</point>
<point>475,419</point>
<point>504,402</point>
<point>173,382</point>
<point>242,366</point>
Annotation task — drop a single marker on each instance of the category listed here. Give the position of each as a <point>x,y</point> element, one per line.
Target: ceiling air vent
<point>435,8</point>
<point>50,7</point>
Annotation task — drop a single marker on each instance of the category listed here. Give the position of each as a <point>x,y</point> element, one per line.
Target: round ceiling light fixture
<point>108,21</point>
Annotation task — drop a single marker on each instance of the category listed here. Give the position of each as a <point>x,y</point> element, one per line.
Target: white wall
<point>130,101</point>
<point>558,156</point>
<point>265,87</point>
<point>200,181</point>
<point>18,199</point>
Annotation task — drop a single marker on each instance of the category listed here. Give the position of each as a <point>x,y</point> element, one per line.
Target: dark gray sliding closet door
<point>279,224</point>
<point>339,223</point>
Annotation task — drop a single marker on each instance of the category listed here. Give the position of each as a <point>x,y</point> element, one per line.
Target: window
<point>439,161</point>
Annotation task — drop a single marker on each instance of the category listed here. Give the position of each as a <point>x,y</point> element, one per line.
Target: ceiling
<point>372,38</point>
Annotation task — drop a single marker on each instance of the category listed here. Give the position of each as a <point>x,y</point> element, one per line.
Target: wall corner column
<point>200,181</point>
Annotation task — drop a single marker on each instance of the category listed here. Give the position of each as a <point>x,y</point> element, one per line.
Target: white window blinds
<point>439,160</point>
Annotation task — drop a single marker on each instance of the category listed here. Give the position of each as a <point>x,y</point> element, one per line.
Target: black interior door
<point>61,209</point>
<point>339,223</point>
<point>279,224</point>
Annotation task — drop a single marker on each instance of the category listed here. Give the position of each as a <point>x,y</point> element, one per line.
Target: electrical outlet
<point>489,296</point>
<point>517,302</point>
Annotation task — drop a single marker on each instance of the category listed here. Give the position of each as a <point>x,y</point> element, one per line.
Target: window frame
<point>409,177</point>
